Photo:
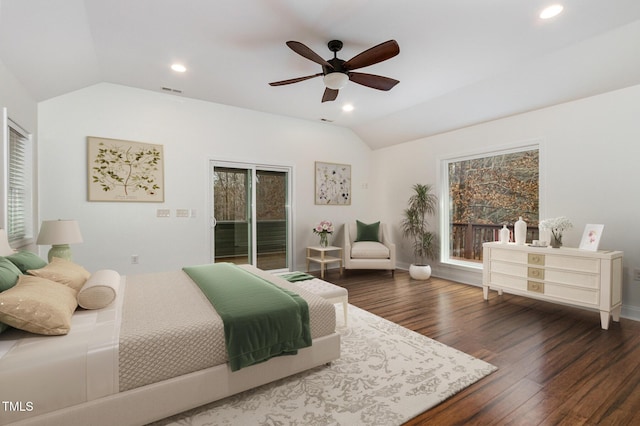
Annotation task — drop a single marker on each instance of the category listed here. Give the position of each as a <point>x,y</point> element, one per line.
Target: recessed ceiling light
<point>178,68</point>
<point>347,108</point>
<point>551,11</point>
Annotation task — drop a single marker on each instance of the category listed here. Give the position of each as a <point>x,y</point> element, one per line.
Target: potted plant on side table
<point>421,204</point>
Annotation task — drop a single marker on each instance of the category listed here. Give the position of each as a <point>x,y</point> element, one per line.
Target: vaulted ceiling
<point>461,62</point>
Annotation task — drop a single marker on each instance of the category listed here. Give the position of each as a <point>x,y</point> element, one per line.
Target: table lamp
<point>59,233</point>
<point>5,248</point>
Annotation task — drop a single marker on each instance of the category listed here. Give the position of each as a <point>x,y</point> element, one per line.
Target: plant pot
<point>420,272</point>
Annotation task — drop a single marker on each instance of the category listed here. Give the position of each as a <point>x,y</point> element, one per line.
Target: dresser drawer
<point>537,273</point>
<point>576,279</point>
<point>509,281</point>
<point>509,268</point>
<point>575,295</point>
<point>579,264</point>
<point>509,255</point>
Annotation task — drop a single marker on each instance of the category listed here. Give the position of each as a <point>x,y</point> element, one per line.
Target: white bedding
<point>53,372</point>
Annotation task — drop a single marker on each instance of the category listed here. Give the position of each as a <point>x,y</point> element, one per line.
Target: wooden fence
<point>467,238</point>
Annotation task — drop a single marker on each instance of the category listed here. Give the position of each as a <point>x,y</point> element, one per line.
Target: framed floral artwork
<point>591,237</point>
<point>121,170</point>
<point>333,183</point>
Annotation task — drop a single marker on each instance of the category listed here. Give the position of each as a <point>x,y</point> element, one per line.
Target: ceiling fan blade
<point>304,51</point>
<point>294,80</point>
<point>376,54</point>
<point>374,81</point>
<point>329,95</point>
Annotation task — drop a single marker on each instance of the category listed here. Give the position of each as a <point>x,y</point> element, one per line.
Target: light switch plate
<point>163,213</point>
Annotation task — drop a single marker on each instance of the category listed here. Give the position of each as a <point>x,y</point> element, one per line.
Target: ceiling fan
<point>337,72</point>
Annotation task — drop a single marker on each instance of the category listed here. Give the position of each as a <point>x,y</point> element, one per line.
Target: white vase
<point>544,235</point>
<point>420,272</point>
<point>520,231</point>
<point>504,234</point>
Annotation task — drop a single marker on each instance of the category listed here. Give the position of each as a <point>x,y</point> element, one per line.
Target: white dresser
<point>565,275</point>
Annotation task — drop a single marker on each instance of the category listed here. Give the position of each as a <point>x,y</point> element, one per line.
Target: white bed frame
<point>159,400</point>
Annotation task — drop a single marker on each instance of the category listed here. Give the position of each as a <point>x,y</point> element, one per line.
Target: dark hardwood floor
<point>556,366</point>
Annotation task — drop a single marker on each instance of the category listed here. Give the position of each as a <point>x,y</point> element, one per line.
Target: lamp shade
<point>5,248</point>
<point>336,80</point>
<point>55,232</point>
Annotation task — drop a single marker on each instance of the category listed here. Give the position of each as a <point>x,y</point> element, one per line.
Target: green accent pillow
<point>9,274</point>
<point>367,232</point>
<point>25,260</point>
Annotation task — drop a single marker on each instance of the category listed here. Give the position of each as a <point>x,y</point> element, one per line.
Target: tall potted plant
<point>421,204</point>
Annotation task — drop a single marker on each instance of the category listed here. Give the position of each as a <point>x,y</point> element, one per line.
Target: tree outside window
<point>486,192</point>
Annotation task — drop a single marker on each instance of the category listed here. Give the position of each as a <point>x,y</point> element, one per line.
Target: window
<point>19,181</point>
<point>484,192</point>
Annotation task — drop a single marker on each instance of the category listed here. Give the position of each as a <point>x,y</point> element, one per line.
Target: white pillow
<point>100,290</point>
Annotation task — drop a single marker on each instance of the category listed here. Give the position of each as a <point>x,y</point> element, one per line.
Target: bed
<point>157,350</point>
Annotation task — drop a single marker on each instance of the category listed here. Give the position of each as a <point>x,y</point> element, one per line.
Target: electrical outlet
<point>636,274</point>
<point>135,259</point>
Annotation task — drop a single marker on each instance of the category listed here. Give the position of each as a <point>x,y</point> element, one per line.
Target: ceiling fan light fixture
<point>336,80</point>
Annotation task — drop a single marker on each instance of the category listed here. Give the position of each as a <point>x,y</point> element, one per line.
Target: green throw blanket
<point>261,320</point>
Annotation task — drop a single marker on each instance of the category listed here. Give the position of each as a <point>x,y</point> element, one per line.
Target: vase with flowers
<point>324,229</point>
<point>557,226</point>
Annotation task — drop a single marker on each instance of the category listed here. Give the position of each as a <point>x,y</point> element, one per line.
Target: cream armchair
<point>379,254</point>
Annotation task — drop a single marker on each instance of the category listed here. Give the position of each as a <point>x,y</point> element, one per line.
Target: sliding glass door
<point>251,215</point>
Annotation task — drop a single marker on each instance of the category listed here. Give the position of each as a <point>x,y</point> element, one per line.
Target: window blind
<point>18,186</point>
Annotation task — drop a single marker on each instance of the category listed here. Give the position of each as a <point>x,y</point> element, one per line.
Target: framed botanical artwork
<point>121,170</point>
<point>333,183</point>
<point>591,237</point>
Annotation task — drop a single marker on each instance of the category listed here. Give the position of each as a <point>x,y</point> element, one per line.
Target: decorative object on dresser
<point>557,226</point>
<point>591,237</point>
<point>505,234</point>
<point>59,234</point>
<point>414,225</point>
<point>588,279</point>
<point>520,231</point>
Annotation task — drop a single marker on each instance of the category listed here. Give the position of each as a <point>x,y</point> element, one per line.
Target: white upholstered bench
<point>332,293</point>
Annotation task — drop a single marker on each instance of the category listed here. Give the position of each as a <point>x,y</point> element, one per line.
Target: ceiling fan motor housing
<point>335,45</point>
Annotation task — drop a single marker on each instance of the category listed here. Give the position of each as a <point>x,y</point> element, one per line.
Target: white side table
<point>323,258</point>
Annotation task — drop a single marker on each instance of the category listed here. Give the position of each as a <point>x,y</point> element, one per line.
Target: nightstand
<point>320,256</point>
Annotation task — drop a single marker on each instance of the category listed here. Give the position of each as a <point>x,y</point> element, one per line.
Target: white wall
<point>192,132</point>
<point>590,149</point>
<point>23,110</point>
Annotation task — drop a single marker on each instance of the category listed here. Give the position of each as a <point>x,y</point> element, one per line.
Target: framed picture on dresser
<point>591,237</point>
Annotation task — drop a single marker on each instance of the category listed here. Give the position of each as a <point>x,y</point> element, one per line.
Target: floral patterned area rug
<point>387,374</point>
